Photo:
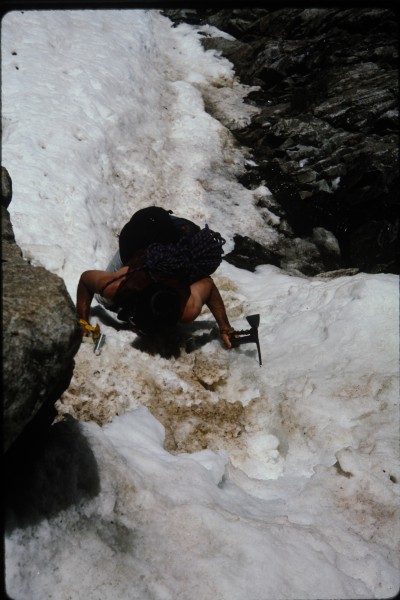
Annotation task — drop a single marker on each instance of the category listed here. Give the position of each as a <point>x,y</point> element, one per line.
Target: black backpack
<point>147,226</point>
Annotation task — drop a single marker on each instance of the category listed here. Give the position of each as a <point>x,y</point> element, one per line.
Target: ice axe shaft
<point>99,344</point>
<point>248,336</point>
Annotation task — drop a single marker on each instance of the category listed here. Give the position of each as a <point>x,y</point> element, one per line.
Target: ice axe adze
<point>247,336</point>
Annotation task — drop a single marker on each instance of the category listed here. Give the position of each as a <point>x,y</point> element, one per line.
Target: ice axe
<point>94,335</point>
<point>247,336</point>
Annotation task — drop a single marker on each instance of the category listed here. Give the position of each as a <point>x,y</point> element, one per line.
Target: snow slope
<point>219,478</point>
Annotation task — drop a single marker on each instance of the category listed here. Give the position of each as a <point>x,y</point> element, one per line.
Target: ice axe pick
<point>248,336</point>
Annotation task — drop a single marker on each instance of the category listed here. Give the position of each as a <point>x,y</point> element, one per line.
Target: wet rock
<point>248,254</point>
<point>325,141</point>
<point>233,50</point>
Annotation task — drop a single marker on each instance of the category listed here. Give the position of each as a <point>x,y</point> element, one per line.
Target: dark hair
<point>156,308</point>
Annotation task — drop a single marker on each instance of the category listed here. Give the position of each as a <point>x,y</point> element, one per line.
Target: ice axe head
<point>248,336</point>
<point>253,321</point>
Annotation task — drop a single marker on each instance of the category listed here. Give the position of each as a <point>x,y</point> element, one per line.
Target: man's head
<point>156,308</point>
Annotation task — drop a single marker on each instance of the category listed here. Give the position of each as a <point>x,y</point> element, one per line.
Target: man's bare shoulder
<point>201,288</point>
<point>199,294</point>
<point>95,280</point>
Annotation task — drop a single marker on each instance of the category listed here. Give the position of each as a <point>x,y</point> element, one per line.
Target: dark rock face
<point>326,139</point>
<point>249,253</point>
<point>6,187</point>
<point>41,335</point>
<point>46,467</point>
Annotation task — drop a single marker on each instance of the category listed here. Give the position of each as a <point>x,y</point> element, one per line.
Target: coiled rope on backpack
<point>191,257</point>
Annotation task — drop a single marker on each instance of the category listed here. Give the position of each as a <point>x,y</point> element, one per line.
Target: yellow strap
<point>86,325</point>
<point>94,330</point>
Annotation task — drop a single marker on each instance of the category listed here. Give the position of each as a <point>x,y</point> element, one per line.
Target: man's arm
<point>84,295</point>
<point>203,292</point>
<point>217,308</point>
<point>90,283</point>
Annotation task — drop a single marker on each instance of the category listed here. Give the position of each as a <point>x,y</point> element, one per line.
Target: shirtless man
<point>191,298</point>
<point>145,297</point>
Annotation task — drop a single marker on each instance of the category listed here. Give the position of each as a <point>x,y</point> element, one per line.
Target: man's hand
<point>226,340</point>
<point>225,333</point>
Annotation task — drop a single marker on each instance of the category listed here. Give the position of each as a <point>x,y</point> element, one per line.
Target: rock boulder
<point>41,335</point>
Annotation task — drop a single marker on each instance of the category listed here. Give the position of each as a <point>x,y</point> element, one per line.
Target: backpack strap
<point>135,265</point>
<point>112,281</point>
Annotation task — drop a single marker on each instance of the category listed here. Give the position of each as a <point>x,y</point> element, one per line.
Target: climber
<point>159,276</point>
